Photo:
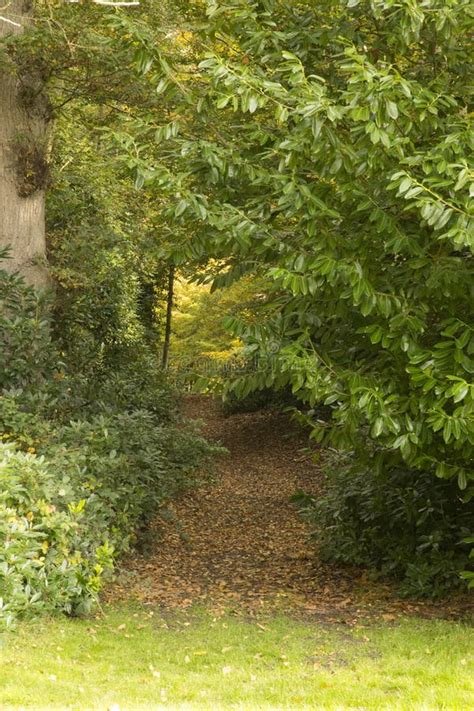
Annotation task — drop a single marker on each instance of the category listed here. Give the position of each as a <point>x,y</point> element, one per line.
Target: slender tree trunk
<point>169,313</point>
<point>24,119</point>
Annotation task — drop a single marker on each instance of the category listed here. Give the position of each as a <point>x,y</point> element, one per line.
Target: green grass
<point>140,660</point>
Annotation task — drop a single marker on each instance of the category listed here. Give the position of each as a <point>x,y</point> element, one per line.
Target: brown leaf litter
<point>240,543</point>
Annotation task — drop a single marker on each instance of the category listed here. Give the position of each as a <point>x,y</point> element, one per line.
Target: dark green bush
<point>403,524</point>
<point>84,463</point>
<point>24,333</point>
<point>73,502</point>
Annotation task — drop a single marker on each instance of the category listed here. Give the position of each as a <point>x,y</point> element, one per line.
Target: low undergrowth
<point>402,524</point>
<point>85,462</point>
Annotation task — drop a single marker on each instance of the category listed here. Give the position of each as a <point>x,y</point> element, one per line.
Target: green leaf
<point>253,104</point>
<point>392,109</point>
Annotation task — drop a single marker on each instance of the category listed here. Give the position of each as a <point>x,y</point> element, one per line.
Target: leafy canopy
<point>329,154</point>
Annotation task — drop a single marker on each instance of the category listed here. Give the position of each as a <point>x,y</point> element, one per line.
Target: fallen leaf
<point>345,602</point>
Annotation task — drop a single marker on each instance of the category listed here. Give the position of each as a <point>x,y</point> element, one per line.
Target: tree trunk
<point>24,118</point>
<point>169,313</point>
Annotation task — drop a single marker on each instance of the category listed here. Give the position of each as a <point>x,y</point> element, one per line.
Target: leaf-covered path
<point>238,541</point>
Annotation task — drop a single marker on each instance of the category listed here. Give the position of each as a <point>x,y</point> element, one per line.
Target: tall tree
<point>50,55</point>
<point>330,153</point>
<point>24,120</point>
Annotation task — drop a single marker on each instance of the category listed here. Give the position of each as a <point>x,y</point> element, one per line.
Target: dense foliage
<point>85,461</point>
<point>91,447</point>
<point>330,155</point>
<point>404,525</point>
<point>311,156</point>
<point>357,204</point>
<point>109,281</point>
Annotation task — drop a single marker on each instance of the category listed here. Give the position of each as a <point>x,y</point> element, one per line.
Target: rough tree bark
<point>24,119</point>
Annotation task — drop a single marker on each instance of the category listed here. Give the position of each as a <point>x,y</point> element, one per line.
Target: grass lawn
<point>129,659</point>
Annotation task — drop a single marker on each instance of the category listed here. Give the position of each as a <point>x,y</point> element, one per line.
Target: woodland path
<point>240,543</point>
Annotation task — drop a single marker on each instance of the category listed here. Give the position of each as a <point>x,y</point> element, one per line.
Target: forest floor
<point>238,543</point>
<point>230,609</point>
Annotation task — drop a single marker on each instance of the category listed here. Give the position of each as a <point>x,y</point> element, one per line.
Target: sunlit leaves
<point>331,152</point>
<point>369,189</point>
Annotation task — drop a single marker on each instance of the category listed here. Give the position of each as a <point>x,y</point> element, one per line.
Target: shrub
<point>66,514</point>
<point>400,523</point>
<point>24,333</point>
<point>84,464</point>
<point>46,563</point>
